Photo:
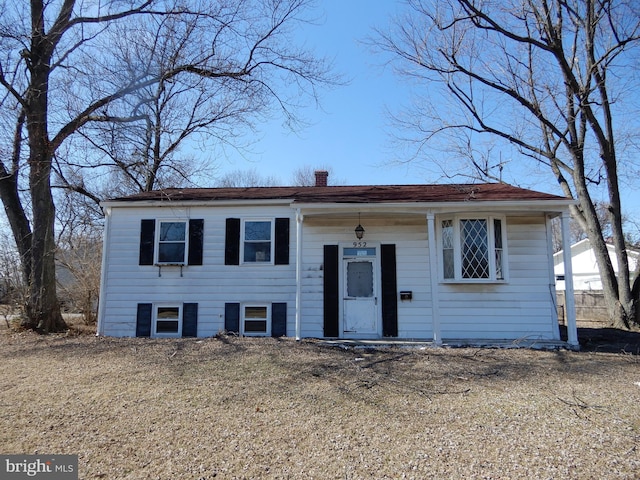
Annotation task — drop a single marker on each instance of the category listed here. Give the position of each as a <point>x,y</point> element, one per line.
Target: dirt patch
<point>265,408</point>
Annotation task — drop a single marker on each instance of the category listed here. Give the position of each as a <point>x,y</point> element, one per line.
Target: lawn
<point>265,408</point>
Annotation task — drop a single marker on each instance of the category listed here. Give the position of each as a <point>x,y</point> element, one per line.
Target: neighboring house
<point>447,263</point>
<point>586,275</point>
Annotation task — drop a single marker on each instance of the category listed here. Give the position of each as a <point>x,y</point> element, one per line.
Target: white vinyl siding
<point>523,308</point>
<point>211,286</point>
<point>412,266</point>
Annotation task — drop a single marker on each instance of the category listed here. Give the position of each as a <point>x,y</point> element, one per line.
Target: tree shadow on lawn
<point>606,340</point>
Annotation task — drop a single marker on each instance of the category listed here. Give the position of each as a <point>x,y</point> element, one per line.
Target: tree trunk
<point>17,221</point>
<point>43,309</point>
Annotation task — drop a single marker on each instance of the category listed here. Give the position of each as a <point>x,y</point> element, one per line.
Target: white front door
<point>360,305</point>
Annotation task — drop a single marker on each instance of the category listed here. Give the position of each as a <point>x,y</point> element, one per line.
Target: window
<point>257,244</point>
<point>172,242</point>
<point>472,249</point>
<point>167,321</point>
<point>253,241</point>
<point>255,320</point>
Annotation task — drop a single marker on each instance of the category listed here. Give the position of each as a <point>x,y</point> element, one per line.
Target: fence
<point>590,308</point>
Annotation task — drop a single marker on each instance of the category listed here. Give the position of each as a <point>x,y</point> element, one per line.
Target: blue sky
<point>350,133</point>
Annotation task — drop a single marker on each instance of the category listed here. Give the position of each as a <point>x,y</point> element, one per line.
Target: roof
<point>351,194</point>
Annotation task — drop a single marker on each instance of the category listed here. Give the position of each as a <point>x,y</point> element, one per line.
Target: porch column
<point>433,271</point>
<point>570,302</point>
<point>299,220</point>
<point>106,238</point>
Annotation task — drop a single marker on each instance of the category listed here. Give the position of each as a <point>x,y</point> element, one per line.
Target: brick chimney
<point>321,178</point>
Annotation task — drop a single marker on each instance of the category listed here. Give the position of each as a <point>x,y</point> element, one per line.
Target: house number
<point>359,244</point>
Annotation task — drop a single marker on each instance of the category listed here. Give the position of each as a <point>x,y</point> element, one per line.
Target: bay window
<point>472,248</point>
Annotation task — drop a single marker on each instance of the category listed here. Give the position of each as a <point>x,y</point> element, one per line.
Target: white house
<point>446,263</point>
<point>586,275</point>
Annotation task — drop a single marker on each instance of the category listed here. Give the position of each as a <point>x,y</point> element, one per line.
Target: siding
<point>210,286</point>
<point>520,308</point>
<point>412,267</point>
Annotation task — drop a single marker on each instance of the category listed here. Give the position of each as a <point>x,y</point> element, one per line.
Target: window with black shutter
<point>171,242</point>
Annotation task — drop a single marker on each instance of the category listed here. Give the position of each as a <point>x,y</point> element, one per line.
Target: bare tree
<point>246,178</point>
<point>78,256</point>
<point>13,291</point>
<point>305,176</point>
<point>553,78</point>
<point>62,71</point>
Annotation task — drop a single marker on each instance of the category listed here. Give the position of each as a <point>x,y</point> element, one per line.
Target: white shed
<point>586,275</point>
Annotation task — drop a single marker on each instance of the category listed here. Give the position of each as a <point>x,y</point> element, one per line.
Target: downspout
<point>299,220</point>
<point>570,302</point>
<point>106,234</point>
<point>433,270</point>
<point>552,279</point>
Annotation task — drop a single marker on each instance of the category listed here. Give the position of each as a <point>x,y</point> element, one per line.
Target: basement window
<point>255,320</point>
<point>167,321</point>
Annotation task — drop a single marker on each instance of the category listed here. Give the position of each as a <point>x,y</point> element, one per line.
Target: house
<point>445,263</point>
<point>586,275</point>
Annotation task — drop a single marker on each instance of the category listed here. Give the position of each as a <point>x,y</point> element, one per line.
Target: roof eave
<point>553,205</point>
<point>193,203</point>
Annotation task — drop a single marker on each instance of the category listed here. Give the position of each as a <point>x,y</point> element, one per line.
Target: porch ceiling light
<point>359,230</point>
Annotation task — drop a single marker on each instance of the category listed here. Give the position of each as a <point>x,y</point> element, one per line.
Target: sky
<point>350,134</point>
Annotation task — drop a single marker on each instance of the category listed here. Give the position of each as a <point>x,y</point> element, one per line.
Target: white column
<point>570,302</point>
<point>106,241</point>
<point>433,271</point>
<point>299,220</point>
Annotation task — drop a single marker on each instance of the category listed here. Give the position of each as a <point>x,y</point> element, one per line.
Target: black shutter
<point>143,320</point>
<point>190,320</point>
<point>232,242</point>
<point>232,317</point>
<point>147,240</point>
<point>196,228</point>
<point>331,295</point>
<point>278,319</point>
<point>282,241</point>
<point>389,291</point>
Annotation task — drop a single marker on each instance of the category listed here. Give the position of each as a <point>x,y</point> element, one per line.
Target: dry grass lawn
<point>229,408</point>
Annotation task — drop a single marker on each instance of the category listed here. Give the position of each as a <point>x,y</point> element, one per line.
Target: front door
<point>360,305</point>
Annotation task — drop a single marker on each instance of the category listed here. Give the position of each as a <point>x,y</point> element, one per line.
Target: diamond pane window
<point>472,249</point>
<point>475,250</point>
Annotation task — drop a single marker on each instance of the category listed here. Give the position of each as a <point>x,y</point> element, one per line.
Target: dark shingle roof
<point>351,194</point>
